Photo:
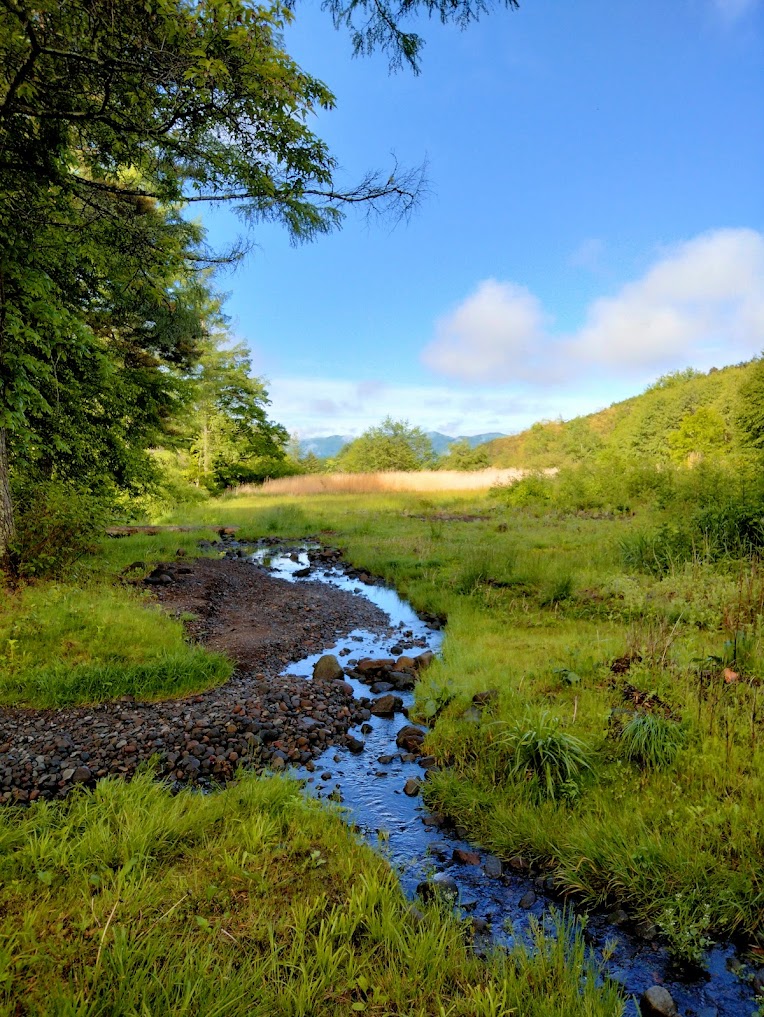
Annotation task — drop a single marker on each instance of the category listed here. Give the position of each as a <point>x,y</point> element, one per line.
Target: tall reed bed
<point>374,483</point>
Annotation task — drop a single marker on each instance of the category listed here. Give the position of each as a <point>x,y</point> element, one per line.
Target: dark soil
<point>258,718</point>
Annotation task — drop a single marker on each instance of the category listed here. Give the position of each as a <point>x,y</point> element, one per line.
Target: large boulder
<point>328,668</point>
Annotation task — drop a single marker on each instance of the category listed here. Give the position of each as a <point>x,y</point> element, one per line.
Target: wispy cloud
<point>700,303</point>
<point>731,10</point>
<point>321,406</point>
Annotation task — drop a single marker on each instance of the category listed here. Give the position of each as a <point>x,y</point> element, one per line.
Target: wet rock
<point>657,1002</point>
<point>327,668</point>
<point>355,745</point>
<point>386,706</point>
<point>618,917</point>
<point>466,857</point>
<point>646,930</point>
<point>385,759</point>
<point>405,663</point>
<point>366,729</point>
<point>403,681</point>
<point>410,738</point>
<point>440,887</point>
<point>412,787</point>
<point>344,687</point>
<point>492,867</point>
<point>302,573</point>
<point>480,926</point>
<point>518,863</point>
<point>527,900</point>
<point>423,660</point>
<point>379,687</point>
<point>427,762</point>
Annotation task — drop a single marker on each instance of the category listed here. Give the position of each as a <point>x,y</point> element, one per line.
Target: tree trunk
<point>7,529</point>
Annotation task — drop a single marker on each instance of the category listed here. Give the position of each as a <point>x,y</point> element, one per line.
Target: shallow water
<point>374,802</point>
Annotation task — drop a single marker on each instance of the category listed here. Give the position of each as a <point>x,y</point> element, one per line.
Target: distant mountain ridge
<point>328,447</point>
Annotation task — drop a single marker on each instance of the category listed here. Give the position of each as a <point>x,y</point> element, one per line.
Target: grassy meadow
<point>89,637</point>
<point>623,752</point>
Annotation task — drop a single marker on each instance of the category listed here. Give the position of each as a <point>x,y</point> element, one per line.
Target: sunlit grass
<point>61,645</point>
<point>129,900</point>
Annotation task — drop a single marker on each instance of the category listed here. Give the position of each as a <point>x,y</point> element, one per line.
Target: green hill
<point>681,417</point>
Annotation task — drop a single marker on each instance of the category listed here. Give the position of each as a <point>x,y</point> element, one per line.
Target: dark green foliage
<point>56,524</point>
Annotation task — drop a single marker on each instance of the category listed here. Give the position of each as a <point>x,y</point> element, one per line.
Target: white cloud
<point>701,303</point>
<point>488,334</point>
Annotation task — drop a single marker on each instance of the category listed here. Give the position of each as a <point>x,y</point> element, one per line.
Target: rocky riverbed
<point>260,717</point>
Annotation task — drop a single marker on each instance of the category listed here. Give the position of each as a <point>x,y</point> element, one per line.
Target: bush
<point>56,525</point>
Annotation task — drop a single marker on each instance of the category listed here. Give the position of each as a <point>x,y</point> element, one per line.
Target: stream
<point>501,902</point>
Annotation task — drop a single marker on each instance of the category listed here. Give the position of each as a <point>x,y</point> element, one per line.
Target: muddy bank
<point>259,717</point>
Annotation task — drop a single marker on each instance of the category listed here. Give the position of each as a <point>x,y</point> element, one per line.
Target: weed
<point>552,758</point>
<point>651,741</point>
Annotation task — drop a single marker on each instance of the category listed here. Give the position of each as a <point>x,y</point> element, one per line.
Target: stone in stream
<point>440,887</point>
<point>492,867</point>
<point>466,857</point>
<point>423,660</point>
<point>386,706</point>
<point>527,900</point>
<point>355,745</point>
<point>410,738</point>
<point>412,787</point>
<point>657,1002</point>
<point>378,687</point>
<point>327,668</point>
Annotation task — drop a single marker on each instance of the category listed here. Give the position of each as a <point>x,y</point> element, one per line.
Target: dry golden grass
<point>374,483</point>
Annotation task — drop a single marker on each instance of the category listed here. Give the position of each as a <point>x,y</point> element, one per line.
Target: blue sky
<point>595,219</point>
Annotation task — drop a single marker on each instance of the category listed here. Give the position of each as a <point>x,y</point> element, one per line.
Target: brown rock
<point>327,668</point>
<point>386,706</point>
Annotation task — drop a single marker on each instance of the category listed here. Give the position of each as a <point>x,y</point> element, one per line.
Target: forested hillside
<point>680,418</point>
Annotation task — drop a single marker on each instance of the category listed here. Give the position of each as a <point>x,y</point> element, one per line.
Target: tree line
<point>115,120</point>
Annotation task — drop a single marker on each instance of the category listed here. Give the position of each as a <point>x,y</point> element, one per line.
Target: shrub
<point>55,526</point>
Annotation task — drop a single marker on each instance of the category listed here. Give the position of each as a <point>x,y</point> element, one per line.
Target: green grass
<point>253,901</point>
<point>63,644</point>
<point>533,597</point>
